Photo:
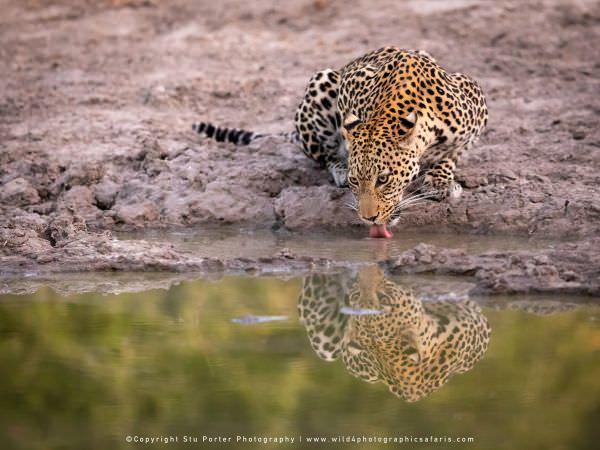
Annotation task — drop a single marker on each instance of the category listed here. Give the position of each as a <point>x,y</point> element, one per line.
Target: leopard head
<point>383,159</point>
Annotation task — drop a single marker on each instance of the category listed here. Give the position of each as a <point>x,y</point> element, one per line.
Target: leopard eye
<point>383,178</point>
<point>352,180</point>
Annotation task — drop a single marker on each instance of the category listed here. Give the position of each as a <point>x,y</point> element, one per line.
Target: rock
<point>79,200</point>
<point>137,214</point>
<point>475,181</point>
<point>537,197</point>
<point>65,228</point>
<point>105,193</point>
<point>83,173</point>
<point>19,242</point>
<point>567,269</point>
<point>227,202</point>
<point>19,192</point>
<point>302,207</point>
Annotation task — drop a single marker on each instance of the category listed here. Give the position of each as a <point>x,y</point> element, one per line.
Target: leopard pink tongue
<point>379,231</point>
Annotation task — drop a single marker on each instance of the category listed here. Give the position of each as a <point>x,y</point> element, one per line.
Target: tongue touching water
<point>380,231</point>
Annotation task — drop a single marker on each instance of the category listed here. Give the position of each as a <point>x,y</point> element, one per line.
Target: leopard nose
<point>371,219</point>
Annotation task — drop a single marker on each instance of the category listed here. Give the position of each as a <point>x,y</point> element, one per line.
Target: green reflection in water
<point>85,371</point>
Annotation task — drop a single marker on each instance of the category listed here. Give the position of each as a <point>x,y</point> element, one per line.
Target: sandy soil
<point>97,98</point>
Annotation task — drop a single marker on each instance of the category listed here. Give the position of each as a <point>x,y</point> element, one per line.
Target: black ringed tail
<point>237,136</point>
<point>225,134</point>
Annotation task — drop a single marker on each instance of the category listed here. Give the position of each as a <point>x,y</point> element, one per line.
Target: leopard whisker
<point>409,205</point>
<point>413,198</point>
<point>352,206</point>
<point>413,202</point>
<point>422,194</point>
<point>411,213</point>
<point>418,196</point>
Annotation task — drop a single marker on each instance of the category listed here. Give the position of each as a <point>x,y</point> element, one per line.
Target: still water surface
<point>355,354</point>
<point>222,241</point>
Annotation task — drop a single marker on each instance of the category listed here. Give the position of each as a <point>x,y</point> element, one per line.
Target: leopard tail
<point>238,136</point>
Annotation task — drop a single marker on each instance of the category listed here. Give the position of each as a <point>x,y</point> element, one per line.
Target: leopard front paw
<point>453,193</point>
<point>438,190</point>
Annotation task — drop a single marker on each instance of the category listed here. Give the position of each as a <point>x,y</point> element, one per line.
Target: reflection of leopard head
<point>411,346</point>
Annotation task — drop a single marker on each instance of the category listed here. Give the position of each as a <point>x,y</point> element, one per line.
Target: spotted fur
<point>413,347</point>
<point>224,134</point>
<point>387,124</point>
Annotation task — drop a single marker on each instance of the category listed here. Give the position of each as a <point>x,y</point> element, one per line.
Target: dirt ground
<point>97,99</point>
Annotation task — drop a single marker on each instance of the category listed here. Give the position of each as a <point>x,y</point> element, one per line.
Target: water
<point>353,245</point>
<point>87,370</point>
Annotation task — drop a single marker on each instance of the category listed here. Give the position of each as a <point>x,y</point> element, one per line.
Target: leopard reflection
<point>413,347</point>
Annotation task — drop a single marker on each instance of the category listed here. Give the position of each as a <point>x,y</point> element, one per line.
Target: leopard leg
<point>337,165</point>
<point>317,123</point>
<point>439,181</point>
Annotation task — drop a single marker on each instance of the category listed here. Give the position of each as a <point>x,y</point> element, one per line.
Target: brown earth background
<point>97,99</point>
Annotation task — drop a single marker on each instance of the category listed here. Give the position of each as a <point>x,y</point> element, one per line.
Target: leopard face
<point>383,159</point>
<point>411,346</point>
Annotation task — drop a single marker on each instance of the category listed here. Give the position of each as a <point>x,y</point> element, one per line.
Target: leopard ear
<point>409,122</point>
<point>410,346</point>
<point>407,129</point>
<point>353,348</point>
<point>351,121</point>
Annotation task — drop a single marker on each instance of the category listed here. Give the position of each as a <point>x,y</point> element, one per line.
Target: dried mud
<point>97,98</point>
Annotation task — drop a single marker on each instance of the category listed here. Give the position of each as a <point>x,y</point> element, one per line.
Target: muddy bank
<point>567,268</point>
<point>572,268</point>
<point>97,98</point>
<point>67,246</point>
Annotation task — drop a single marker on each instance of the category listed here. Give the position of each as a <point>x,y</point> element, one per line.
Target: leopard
<point>391,125</point>
<point>383,332</point>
